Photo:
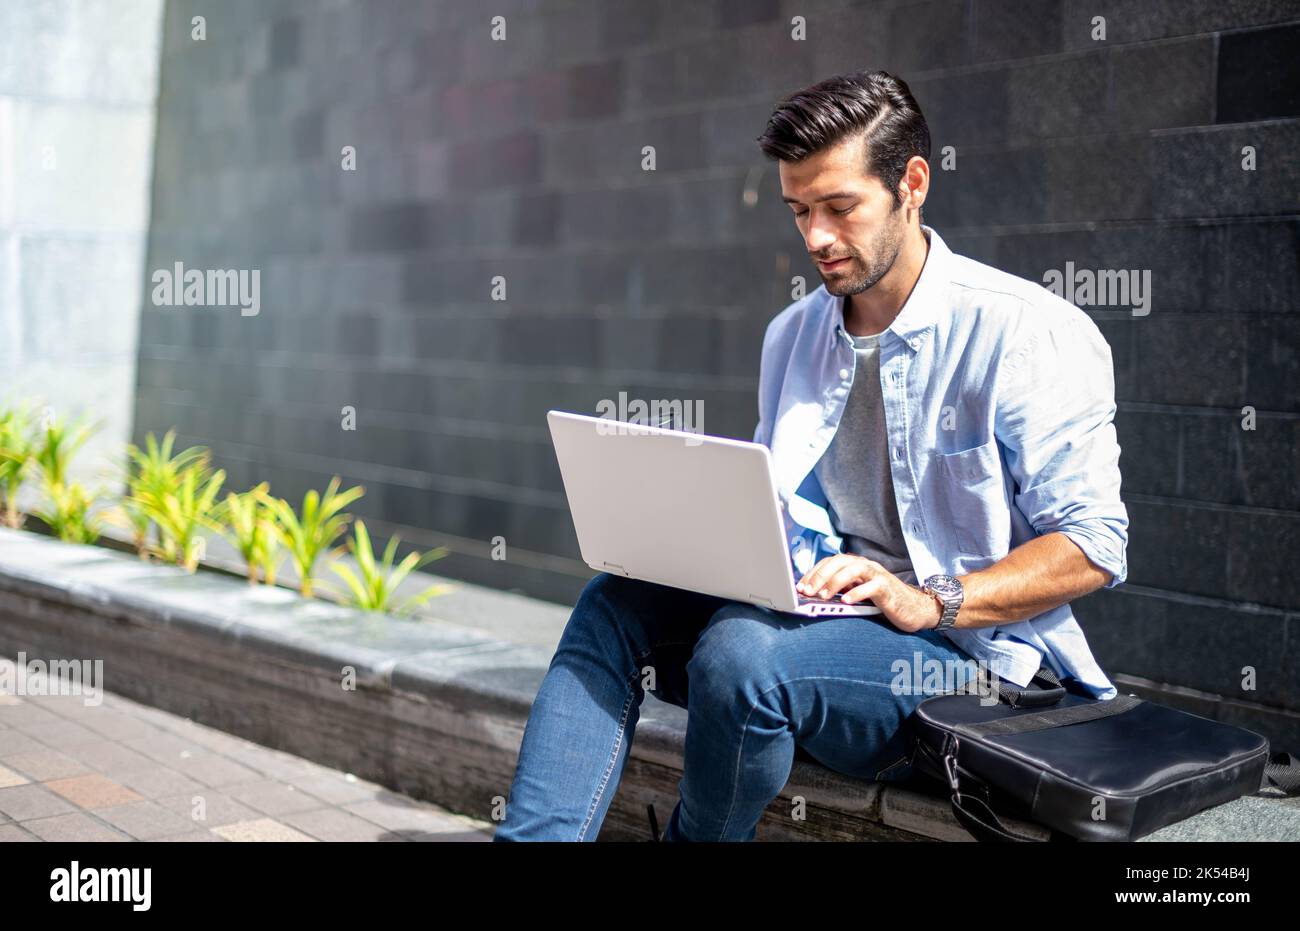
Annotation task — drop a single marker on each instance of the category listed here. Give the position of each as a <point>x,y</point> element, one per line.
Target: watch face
<point>943,584</point>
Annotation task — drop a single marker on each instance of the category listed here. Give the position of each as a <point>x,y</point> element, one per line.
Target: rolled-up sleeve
<point>1055,419</point>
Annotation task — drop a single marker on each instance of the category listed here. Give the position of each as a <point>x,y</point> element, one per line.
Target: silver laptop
<point>683,509</point>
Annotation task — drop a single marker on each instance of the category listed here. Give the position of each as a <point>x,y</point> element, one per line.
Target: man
<point>930,418</point>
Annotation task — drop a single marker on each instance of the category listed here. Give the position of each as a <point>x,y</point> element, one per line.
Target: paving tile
<point>465,835</point>
<point>62,734</point>
<point>399,813</point>
<point>337,788</point>
<point>272,797</point>
<point>145,820</point>
<point>12,832</point>
<point>93,790</point>
<point>332,824</point>
<point>118,725</point>
<point>73,827</point>
<point>218,809</point>
<point>209,737</point>
<point>161,746</point>
<point>43,765</point>
<point>23,714</point>
<point>191,836</point>
<point>10,778</point>
<point>271,763</point>
<point>214,770</point>
<point>263,829</point>
<point>158,781</point>
<point>22,803</point>
<point>111,758</point>
<point>15,741</point>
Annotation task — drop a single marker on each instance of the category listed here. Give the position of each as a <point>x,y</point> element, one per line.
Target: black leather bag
<point>1086,769</point>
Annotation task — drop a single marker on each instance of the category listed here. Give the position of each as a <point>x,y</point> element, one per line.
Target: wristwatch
<point>950,593</point>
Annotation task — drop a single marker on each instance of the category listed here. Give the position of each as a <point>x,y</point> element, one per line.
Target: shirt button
<point>844,373</point>
<point>914,342</point>
<point>916,528</point>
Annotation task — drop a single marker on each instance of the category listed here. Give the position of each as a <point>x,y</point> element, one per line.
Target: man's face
<point>847,217</point>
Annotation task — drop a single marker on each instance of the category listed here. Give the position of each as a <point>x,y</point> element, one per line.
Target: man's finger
<point>859,570</point>
<point>867,591</point>
<point>813,579</point>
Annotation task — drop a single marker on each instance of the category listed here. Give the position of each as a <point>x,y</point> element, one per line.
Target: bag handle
<point>1281,775</point>
<point>972,812</point>
<point>1043,689</point>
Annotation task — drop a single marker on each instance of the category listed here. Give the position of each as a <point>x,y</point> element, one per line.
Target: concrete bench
<point>439,705</point>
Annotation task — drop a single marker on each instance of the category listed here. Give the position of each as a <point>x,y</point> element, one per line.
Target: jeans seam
<point>622,729</point>
<point>609,768</point>
<point>745,729</point>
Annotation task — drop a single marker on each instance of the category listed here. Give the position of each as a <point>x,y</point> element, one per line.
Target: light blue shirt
<point>999,404</point>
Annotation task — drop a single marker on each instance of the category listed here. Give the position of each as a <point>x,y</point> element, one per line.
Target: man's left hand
<point>858,578</point>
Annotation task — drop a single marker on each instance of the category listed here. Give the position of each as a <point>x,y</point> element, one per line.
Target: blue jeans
<point>761,683</point>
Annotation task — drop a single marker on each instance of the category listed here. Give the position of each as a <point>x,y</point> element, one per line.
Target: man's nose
<point>819,237</point>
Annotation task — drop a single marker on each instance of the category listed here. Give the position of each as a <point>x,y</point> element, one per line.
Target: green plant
<point>250,521</point>
<point>17,450</point>
<point>312,533</point>
<point>55,445</point>
<point>69,513</point>
<point>182,511</point>
<point>149,474</point>
<point>378,581</point>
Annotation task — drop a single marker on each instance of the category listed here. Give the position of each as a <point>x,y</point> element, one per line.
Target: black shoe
<point>655,834</point>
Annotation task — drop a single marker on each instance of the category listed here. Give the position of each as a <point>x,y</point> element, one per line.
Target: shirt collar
<point>922,305</point>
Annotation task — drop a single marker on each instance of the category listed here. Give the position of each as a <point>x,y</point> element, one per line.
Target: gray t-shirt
<point>855,473</point>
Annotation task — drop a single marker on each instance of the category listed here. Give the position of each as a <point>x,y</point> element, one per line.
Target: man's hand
<point>906,606</point>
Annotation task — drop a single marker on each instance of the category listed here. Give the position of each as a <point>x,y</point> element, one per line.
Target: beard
<point>864,270</point>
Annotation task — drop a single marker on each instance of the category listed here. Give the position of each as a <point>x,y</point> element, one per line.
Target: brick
<point>1180,547</point>
<point>73,827</point>
<point>331,824</point>
<point>1003,29</point>
<point>1214,184</point>
<point>264,830</point>
<point>25,802</point>
<point>93,790</point>
<point>43,765</point>
<point>218,809</point>
<point>1184,72</point>
<point>1129,21</point>
<point>144,820</point>
<point>1254,572</point>
<point>9,777</point>
<point>1259,75</point>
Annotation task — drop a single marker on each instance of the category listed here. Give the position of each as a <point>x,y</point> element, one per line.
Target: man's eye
<point>839,213</point>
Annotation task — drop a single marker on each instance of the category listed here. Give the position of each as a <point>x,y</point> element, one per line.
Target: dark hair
<point>873,103</point>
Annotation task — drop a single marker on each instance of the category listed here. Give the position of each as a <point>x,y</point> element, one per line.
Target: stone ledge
<point>439,708</point>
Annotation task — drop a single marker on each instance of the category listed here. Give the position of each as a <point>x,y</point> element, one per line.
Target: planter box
<point>437,712</point>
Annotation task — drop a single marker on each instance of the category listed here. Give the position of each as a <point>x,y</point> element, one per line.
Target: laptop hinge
<point>766,601</point>
<point>616,567</point>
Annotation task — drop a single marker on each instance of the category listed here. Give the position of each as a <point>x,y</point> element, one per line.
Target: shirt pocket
<point>976,515</point>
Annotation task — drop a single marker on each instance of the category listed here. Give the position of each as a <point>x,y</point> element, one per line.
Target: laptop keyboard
<point>833,599</point>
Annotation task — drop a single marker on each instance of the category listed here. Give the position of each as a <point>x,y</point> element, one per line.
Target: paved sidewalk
<point>121,771</point>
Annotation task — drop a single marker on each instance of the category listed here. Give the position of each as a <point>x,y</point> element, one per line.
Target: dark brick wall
<point>480,158</point>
